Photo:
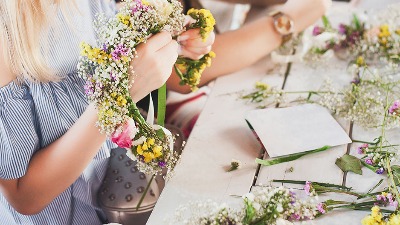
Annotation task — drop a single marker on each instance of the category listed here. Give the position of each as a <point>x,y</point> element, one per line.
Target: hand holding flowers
<point>135,57</point>
<point>153,64</point>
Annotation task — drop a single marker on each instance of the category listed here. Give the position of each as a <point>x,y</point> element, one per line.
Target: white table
<point>221,134</point>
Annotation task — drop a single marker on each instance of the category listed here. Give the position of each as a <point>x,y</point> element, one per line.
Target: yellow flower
<point>369,220</point>
<point>94,54</point>
<point>202,67</point>
<point>157,151</point>
<point>208,61</point>
<point>125,19</point>
<point>360,61</point>
<point>397,31</point>
<point>384,31</point>
<point>212,54</point>
<point>113,94</point>
<point>139,150</point>
<point>144,146</point>
<point>181,67</point>
<point>394,220</point>
<point>375,218</point>
<point>110,113</point>
<point>125,58</point>
<point>262,86</point>
<point>375,210</point>
<point>144,2</point>
<point>150,141</point>
<point>148,156</point>
<point>192,10</point>
<point>121,101</point>
<point>383,41</point>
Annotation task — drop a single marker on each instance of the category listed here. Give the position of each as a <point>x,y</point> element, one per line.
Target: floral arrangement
<point>358,43</point>
<point>264,205</point>
<point>189,70</point>
<point>106,69</point>
<point>371,100</point>
<point>364,100</point>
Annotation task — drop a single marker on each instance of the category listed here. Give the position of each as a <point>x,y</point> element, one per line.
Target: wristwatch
<point>283,25</point>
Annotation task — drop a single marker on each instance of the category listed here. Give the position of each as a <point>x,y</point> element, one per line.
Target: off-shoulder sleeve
<point>18,131</point>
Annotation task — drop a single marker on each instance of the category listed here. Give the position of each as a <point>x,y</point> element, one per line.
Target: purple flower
<point>381,198</point>
<point>380,170</point>
<point>104,47</point>
<point>317,30</point>
<point>88,88</point>
<point>113,76</point>
<point>141,158</point>
<point>393,108</point>
<point>361,149</point>
<point>308,188</point>
<point>321,208</point>
<point>292,197</point>
<point>353,37</point>
<point>342,29</point>
<point>295,216</point>
<point>162,164</point>
<point>356,81</point>
<point>392,202</point>
<point>119,51</point>
<point>369,161</point>
<point>138,6</point>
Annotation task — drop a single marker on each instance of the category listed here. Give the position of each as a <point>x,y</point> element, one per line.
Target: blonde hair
<point>24,28</point>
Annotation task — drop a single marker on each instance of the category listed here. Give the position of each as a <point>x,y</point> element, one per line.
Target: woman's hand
<point>153,66</point>
<point>192,45</point>
<point>305,12</point>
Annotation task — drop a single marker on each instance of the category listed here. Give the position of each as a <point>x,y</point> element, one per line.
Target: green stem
<point>341,192</point>
<point>372,168</point>
<point>144,193</point>
<point>161,109</point>
<point>318,183</point>
<point>291,157</point>
<point>385,146</point>
<point>178,72</point>
<point>365,142</point>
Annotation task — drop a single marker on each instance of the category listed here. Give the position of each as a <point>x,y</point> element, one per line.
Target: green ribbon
<point>161,105</point>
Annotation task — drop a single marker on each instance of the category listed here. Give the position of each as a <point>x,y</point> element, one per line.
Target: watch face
<point>284,25</point>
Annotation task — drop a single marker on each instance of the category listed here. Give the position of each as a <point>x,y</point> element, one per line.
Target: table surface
<point>221,134</point>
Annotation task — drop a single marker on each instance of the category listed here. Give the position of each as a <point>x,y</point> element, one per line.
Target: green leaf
<point>326,22</point>
<point>291,157</point>
<point>250,212</point>
<point>349,163</point>
<point>356,22</point>
<point>396,174</point>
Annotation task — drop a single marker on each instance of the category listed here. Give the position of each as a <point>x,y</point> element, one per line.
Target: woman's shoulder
<point>6,75</point>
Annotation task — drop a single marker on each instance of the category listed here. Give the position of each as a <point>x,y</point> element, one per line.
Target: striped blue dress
<point>33,115</point>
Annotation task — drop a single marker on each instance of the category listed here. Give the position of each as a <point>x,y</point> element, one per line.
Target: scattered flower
<point>235,164</point>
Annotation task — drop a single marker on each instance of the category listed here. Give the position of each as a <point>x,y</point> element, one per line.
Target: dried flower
<point>235,164</point>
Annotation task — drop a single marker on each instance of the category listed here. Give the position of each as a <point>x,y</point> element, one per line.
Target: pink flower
<point>317,30</point>
<point>361,149</point>
<point>393,108</point>
<point>321,208</point>
<point>123,137</point>
<point>308,187</point>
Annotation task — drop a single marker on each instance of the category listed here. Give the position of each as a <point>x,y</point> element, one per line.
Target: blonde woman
<point>52,157</point>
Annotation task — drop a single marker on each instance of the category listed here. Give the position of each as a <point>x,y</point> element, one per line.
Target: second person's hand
<point>153,65</point>
<point>192,45</point>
